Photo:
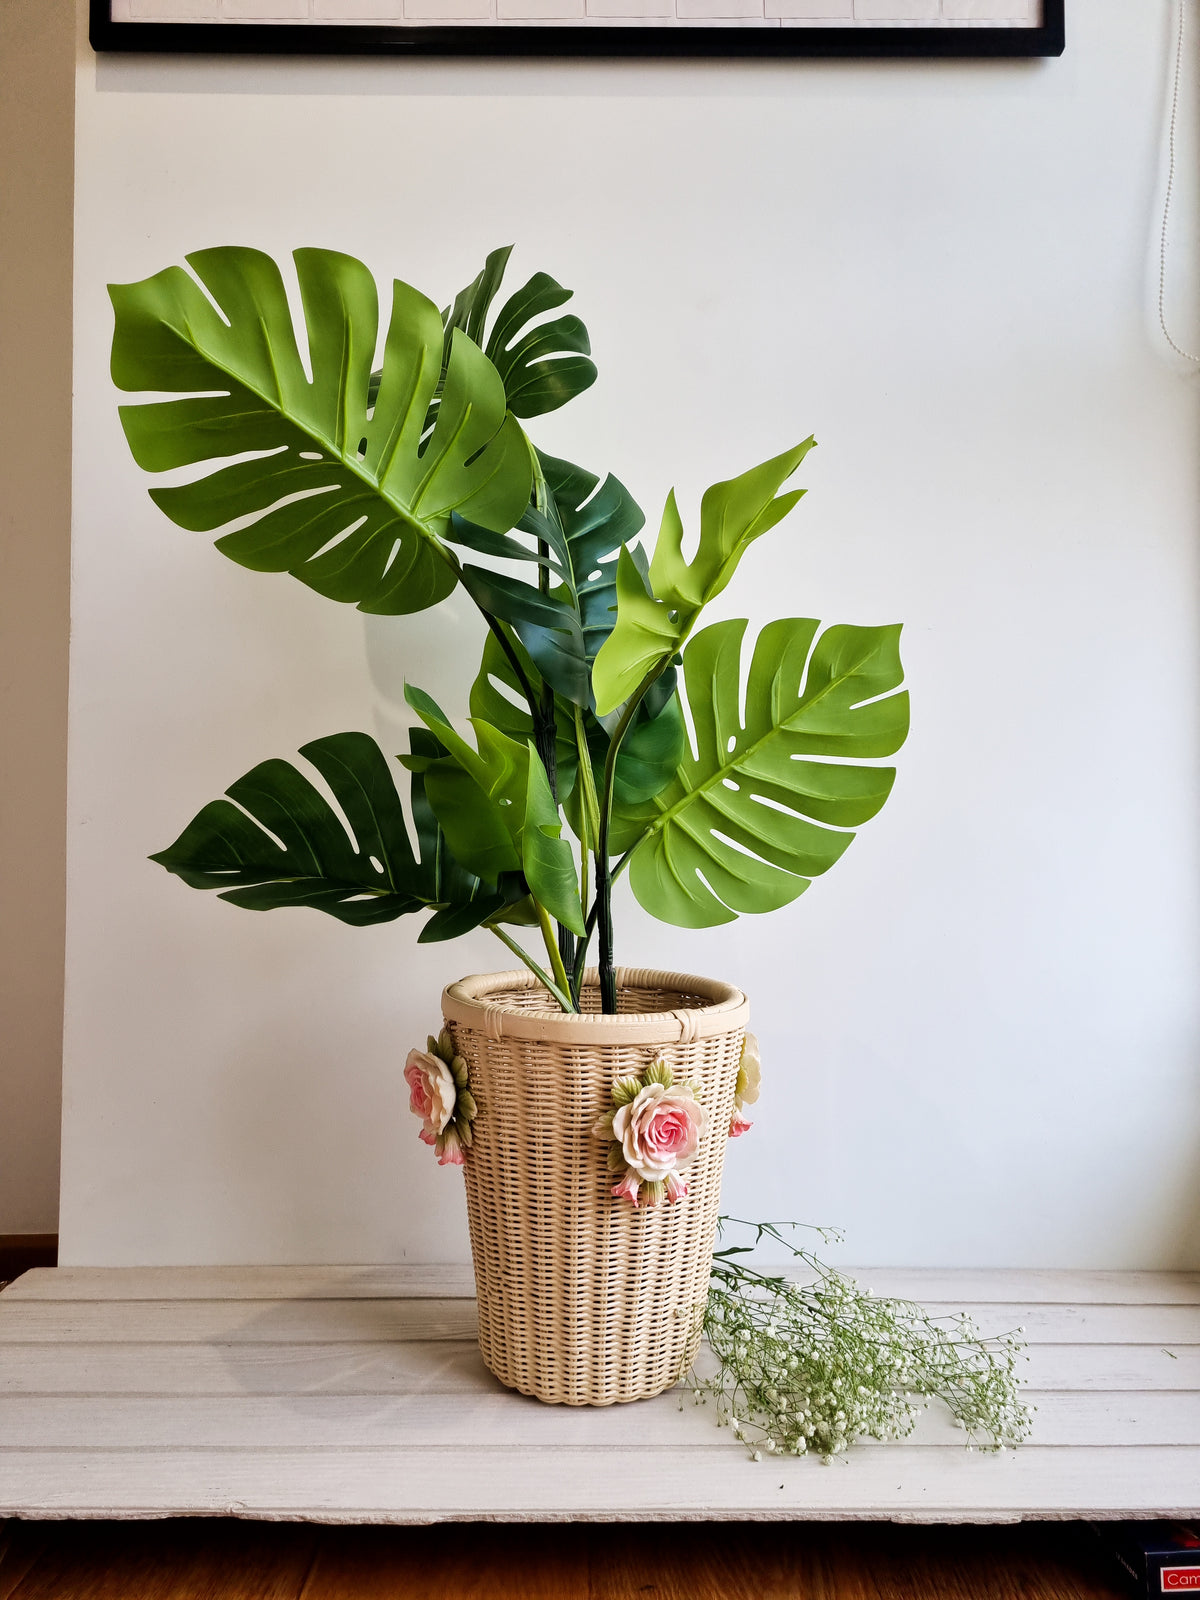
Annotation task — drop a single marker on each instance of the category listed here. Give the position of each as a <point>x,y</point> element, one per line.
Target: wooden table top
<point>356,1394</point>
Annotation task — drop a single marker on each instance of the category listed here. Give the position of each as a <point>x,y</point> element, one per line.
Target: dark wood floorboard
<point>20,1251</point>
<point>219,1559</point>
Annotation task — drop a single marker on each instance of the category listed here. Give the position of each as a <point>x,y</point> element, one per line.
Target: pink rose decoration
<point>653,1128</point>
<point>431,1093</point>
<point>658,1130</point>
<point>739,1126</point>
<point>439,1093</point>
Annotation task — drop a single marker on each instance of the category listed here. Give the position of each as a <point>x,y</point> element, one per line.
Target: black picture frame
<point>513,39</point>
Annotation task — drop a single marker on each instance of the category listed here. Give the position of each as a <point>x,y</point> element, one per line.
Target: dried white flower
<point>827,1362</point>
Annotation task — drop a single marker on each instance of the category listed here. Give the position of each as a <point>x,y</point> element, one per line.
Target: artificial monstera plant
<point>385,481</point>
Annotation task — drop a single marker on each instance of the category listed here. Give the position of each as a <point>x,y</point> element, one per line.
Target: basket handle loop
<point>689,1025</point>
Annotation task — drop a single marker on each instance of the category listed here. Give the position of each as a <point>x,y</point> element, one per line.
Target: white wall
<point>980,1028</point>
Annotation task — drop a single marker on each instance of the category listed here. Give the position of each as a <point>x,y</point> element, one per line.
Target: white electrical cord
<point>1162,242</point>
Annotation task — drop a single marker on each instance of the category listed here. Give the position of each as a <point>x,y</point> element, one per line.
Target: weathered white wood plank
<point>435,1484</point>
<point>445,1282</point>
<point>953,1285</point>
<point>319,1321</point>
<point>945,1286</point>
<point>234,1321</point>
<point>114,1369</point>
<point>483,1417</point>
<point>324,1320</point>
<point>1081,1324</point>
<point>454,1368</point>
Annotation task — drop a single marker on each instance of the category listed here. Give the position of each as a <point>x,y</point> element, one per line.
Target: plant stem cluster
<point>808,1367</point>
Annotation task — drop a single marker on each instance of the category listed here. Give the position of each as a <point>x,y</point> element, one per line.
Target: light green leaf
<point>749,819</point>
<point>654,617</point>
<point>647,635</point>
<point>546,856</point>
<point>498,699</point>
<point>646,761</point>
<point>345,494</point>
<point>497,809</point>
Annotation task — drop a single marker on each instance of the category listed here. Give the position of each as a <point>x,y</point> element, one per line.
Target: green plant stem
<point>604,873</point>
<point>582,944</point>
<point>523,956</point>
<point>544,722</point>
<point>541,709</point>
<point>589,800</point>
<point>514,659</point>
<point>604,958</point>
<point>623,862</point>
<point>581,953</point>
<point>589,824</point>
<point>552,950</point>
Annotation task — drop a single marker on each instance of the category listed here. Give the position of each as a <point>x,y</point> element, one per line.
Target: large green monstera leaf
<point>344,489</point>
<point>283,844</point>
<point>765,803</point>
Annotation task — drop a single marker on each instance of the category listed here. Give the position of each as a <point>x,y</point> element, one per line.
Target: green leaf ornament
<point>766,802</point>
<point>342,488</point>
<point>657,611</point>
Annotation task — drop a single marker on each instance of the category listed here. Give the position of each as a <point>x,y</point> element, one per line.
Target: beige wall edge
<point>37,104</point>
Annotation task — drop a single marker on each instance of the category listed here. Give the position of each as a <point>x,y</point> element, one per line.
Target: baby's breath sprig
<point>808,1367</point>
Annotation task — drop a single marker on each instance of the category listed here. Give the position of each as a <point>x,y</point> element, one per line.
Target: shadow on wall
<point>1182,1246</point>
<point>321,1155</point>
<point>607,80</point>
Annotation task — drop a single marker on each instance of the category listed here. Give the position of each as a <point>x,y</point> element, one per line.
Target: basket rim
<point>468,1001</point>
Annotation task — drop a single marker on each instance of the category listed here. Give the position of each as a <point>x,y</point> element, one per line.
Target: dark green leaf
<point>283,844</point>
<point>546,365</point>
<point>472,304</point>
<point>583,526</point>
<point>452,921</point>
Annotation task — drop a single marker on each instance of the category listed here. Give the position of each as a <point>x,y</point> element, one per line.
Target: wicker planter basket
<point>584,1300</point>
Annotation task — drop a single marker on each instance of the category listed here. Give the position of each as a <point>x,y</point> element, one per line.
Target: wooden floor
<point>221,1560</point>
<point>357,1395</point>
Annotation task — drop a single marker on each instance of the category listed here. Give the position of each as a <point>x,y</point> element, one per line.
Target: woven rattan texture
<point>584,1300</point>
